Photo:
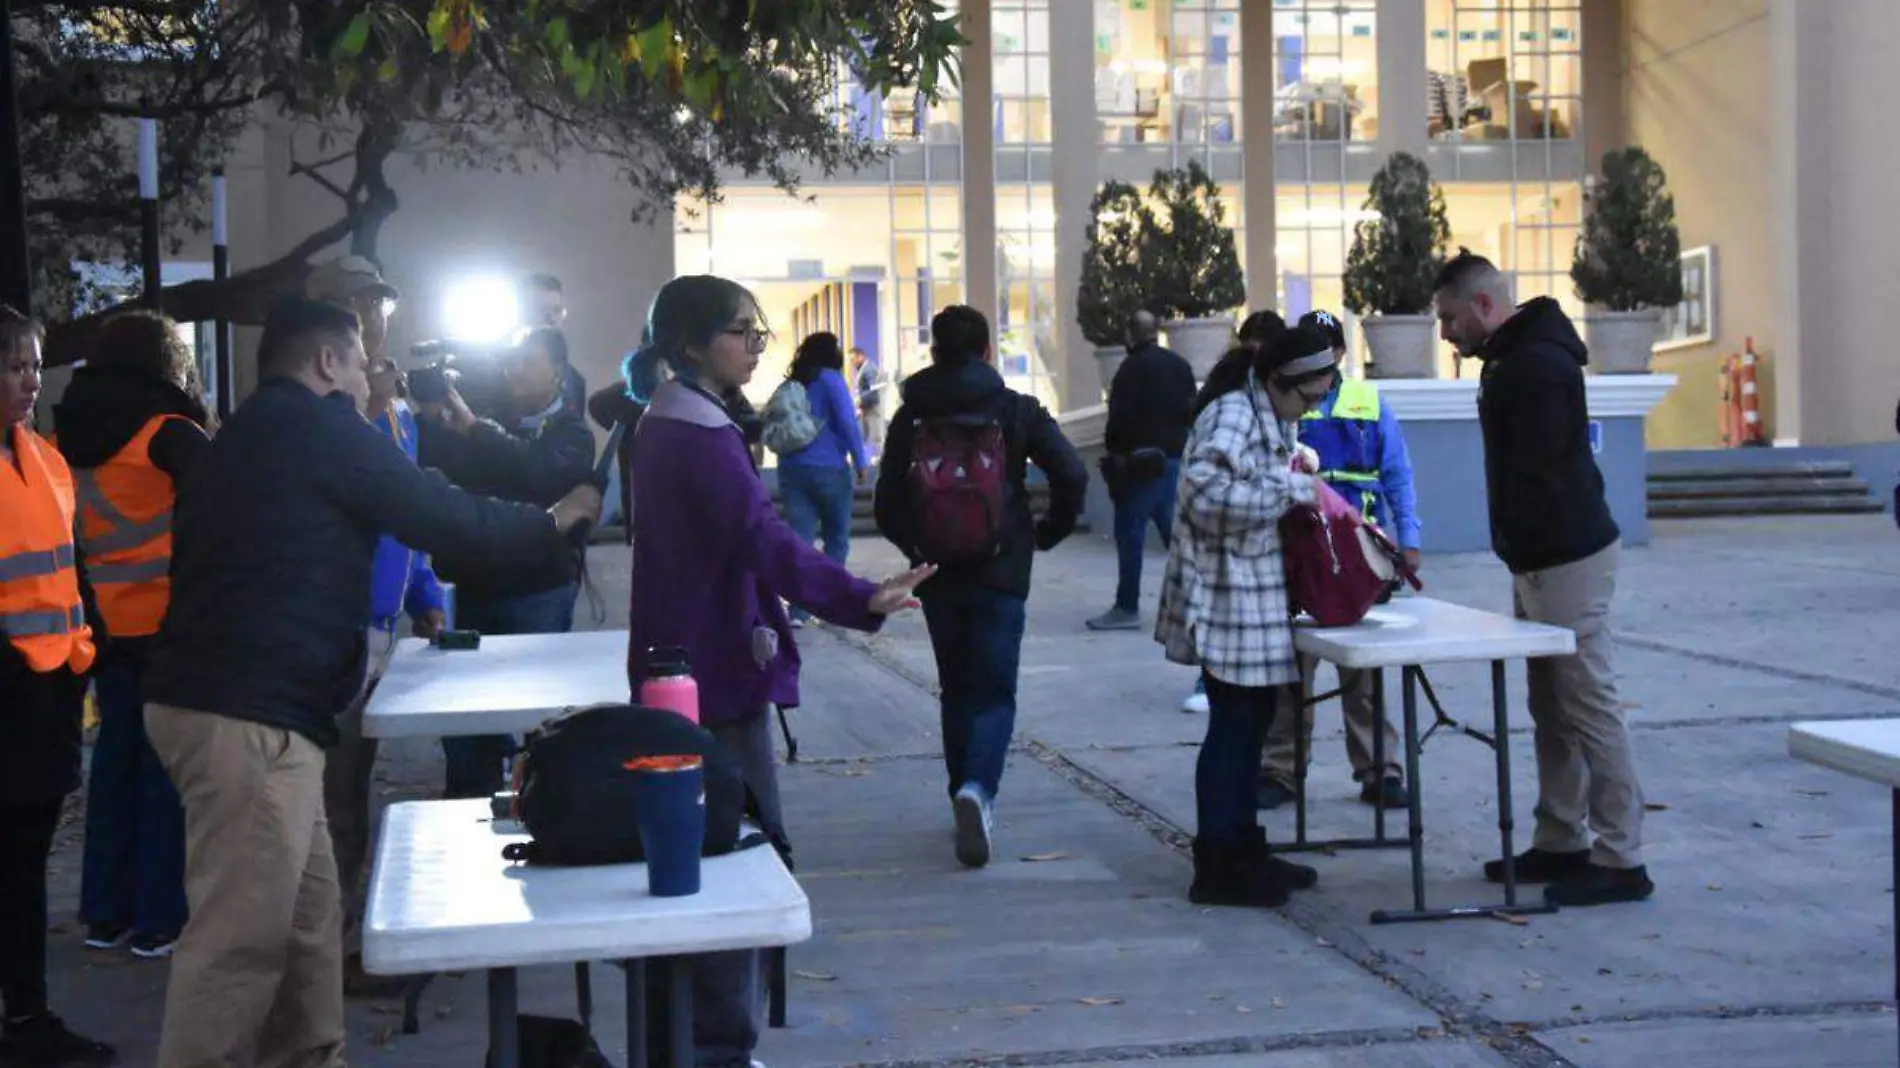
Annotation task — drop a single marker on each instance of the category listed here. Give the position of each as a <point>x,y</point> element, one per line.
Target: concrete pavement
<point>1768,943</point>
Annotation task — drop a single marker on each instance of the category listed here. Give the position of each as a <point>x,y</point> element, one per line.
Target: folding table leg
<point>504,1035</point>
<point>776,986</point>
<point>671,996</point>
<point>1408,698</point>
<point>638,1034</point>
<point>1501,712</point>
<point>1896,895</point>
<point>1378,752</point>
<point>584,993</point>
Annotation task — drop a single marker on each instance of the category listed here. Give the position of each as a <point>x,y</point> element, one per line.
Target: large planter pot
<point>1108,360</point>
<point>1201,342</point>
<point>1621,342</point>
<point>1401,346</point>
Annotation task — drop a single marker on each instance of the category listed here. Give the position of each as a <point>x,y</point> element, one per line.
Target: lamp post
<point>148,210</point>
<point>16,286</point>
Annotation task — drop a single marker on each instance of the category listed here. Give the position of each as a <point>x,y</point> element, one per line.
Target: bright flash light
<point>481,308</point>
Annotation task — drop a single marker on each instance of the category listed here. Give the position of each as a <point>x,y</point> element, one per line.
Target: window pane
<point>1326,71</point>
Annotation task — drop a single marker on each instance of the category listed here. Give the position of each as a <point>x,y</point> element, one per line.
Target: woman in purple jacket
<point>712,565</point>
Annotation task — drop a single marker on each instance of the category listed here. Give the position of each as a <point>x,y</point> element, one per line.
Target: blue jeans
<point>1228,772</point>
<point>474,762</point>
<point>133,871</point>
<point>818,504</point>
<point>1135,507</point>
<point>977,636</point>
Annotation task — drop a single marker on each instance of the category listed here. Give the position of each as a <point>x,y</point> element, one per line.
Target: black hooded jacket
<point>103,409</point>
<point>1032,437</point>
<point>1545,491</point>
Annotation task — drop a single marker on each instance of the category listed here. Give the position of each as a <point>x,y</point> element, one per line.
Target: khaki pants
<point>1362,718</point>
<point>1584,765</point>
<point>346,783</point>
<point>257,978</point>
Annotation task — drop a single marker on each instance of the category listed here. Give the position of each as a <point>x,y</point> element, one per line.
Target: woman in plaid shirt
<point>1223,598</point>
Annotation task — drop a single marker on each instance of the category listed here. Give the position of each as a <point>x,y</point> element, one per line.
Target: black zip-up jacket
<point>1150,402</point>
<point>1032,436</point>
<point>535,466</point>
<point>102,409</point>
<point>1545,491</point>
<point>272,541</point>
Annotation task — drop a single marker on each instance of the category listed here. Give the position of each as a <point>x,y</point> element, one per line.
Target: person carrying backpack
<point>952,491</point>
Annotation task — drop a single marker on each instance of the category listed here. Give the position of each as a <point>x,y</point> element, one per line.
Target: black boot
<point>1279,872</point>
<point>1232,873</point>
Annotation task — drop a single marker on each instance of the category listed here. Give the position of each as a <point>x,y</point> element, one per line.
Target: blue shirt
<point>840,443</point>
<point>401,579</point>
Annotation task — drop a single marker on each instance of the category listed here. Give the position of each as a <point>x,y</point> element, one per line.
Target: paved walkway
<point>1768,943</point>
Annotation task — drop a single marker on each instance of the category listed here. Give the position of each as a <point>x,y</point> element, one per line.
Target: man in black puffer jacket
<point>1552,527</point>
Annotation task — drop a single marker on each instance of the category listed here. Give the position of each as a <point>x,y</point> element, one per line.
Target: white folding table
<point>510,684</point>
<point>1866,749</point>
<point>1409,633</point>
<point>443,899</point>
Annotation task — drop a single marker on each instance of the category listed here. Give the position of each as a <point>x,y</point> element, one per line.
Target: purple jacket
<point>712,561</point>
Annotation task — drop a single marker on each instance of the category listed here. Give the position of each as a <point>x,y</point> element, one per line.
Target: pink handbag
<point>1338,566</point>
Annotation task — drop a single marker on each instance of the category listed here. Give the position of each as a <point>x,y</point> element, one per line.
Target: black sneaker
<point>1272,794</point>
<point>107,935</point>
<point>1598,885</point>
<point>1388,792</point>
<point>44,1041</point>
<point>1539,866</point>
<point>153,947</point>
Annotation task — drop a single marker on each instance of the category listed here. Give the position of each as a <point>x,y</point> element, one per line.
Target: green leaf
<point>355,36</point>
<point>386,72</point>
<point>439,26</point>
<point>655,42</point>
<point>558,34</point>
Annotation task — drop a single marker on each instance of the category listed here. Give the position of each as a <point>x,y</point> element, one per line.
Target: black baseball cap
<point>1326,323</point>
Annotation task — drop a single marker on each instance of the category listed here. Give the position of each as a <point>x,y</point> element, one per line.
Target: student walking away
<point>1150,405</point>
<point>131,425</point>
<point>1230,373</point>
<point>712,560</point>
<point>1551,526</point>
<point>869,380</point>
<point>535,451</point>
<point>816,480</point>
<point>47,644</point>
<point>1362,455</point>
<point>274,541</point>
<point>1224,604</point>
<point>953,491</point>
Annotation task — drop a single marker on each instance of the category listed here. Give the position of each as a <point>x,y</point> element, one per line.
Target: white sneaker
<point>973,816</point>
<point>1195,702</point>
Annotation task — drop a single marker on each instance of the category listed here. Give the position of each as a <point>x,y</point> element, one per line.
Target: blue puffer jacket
<point>401,579</point>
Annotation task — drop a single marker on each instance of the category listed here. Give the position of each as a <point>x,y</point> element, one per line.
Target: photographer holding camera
<point>536,449</point>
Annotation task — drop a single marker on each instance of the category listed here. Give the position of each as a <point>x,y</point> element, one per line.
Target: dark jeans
<point>133,871</point>
<point>977,635</point>
<point>1228,772</point>
<point>475,762</point>
<point>26,841</point>
<point>1135,507</point>
<point>818,504</point>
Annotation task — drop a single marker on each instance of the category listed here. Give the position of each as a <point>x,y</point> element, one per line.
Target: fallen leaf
<point>1100,1001</point>
<point>1322,942</point>
<point>443,1012</point>
<point>1038,858</point>
<point>1812,793</point>
<point>1715,886</point>
<point>1242,1008</point>
<point>1817,836</point>
<point>822,977</point>
<point>1583,1040</point>
<point>1511,918</point>
<point>1757,824</point>
<point>1655,806</point>
<point>386,1010</point>
<point>1605,971</point>
<point>1278,1003</point>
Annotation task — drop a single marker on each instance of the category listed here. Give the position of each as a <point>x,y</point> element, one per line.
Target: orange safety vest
<point>41,613</point>
<point>125,530</point>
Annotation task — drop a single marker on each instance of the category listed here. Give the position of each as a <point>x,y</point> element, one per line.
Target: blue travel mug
<point>672,793</point>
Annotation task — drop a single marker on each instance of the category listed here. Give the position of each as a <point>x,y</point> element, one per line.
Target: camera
<point>471,368</point>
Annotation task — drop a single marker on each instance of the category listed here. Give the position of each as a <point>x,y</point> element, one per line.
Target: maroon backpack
<point>1338,565</point>
<point>959,488</point>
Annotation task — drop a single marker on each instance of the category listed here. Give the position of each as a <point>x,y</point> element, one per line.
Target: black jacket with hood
<point>972,388</point>
<point>103,409</point>
<point>1545,491</point>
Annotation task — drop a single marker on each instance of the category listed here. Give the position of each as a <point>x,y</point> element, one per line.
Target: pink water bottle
<point>669,683</point>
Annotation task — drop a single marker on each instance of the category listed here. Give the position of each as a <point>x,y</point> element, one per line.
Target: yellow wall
<point>1698,100</point>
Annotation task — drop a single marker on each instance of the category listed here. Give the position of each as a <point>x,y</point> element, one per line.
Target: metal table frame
<point>1412,680</point>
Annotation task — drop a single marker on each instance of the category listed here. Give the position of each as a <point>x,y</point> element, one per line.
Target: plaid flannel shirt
<point>1223,597</point>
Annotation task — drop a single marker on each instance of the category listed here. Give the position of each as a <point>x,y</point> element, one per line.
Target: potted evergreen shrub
<point>1628,262</point>
<point>1191,267</point>
<point>1392,264</point>
<point>1111,285</point>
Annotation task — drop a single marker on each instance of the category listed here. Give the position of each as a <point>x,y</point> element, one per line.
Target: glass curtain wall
<point>1027,313</point>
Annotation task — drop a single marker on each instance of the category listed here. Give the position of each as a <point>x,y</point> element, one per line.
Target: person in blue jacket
<point>817,481</point>
<point>401,582</point>
<point>1362,456</point>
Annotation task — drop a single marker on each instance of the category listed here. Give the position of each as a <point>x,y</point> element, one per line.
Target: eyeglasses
<point>754,337</point>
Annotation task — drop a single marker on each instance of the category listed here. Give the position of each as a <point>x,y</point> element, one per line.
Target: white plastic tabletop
<point>443,899</point>
<point>1866,749</point>
<point>510,684</point>
<point>1421,630</point>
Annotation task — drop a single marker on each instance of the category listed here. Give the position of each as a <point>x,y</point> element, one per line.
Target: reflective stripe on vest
<point>128,560</point>
<point>41,614</point>
<point>1356,401</point>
